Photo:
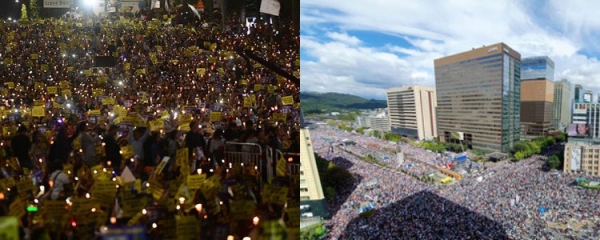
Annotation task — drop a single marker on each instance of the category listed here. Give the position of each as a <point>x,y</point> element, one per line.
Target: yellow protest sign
<point>44,67</point>
<point>10,85</point>
<point>215,116</point>
<point>271,88</point>
<point>141,71</point>
<point>102,80</point>
<point>296,74</point>
<point>212,60</point>
<point>56,105</point>
<point>247,102</point>
<point>38,111</point>
<point>104,186</point>
<point>87,73</point>
<point>70,69</point>
<point>281,167</point>
<point>52,90</point>
<point>280,117</point>
<point>66,92</point>
<point>200,71</point>
<point>34,56</point>
<point>258,87</point>
<point>181,157</point>
<point>8,61</point>
<point>280,79</point>
<point>97,92</point>
<point>25,185</point>
<point>17,208</point>
<point>108,101</point>
<point>195,181</point>
<point>157,125</point>
<point>94,112</point>
<point>242,209</point>
<point>127,119</point>
<point>127,66</point>
<point>274,194</point>
<point>9,227</point>
<point>257,65</point>
<point>127,152</point>
<point>63,84</point>
<point>187,227</point>
<point>289,100</point>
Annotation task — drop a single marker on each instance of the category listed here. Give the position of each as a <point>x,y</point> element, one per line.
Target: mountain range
<point>313,102</point>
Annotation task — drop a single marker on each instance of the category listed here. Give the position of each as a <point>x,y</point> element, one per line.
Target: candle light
<point>113,220</point>
<point>144,211</point>
<point>255,221</point>
<point>181,200</point>
<point>230,237</point>
<point>154,225</point>
<point>199,207</point>
<point>247,238</point>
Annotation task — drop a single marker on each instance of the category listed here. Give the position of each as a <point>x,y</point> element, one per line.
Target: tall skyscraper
<point>587,96</point>
<point>311,192</point>
<point>540,67</point>
<point>562,104</point>
<point>537,96</point>
<point>578,94</point>
<point>412,111</point>
<point>478,97</point>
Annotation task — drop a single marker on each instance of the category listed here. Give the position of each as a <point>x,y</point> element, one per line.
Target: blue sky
<point>365,47</point>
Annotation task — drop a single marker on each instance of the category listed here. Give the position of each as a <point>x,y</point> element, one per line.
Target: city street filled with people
<point>514,200</point>
<point>160,121</point>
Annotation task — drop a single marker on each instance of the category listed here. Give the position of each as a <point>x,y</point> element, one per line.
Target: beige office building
<point>478,98</point>
<point>312,199</point>
<point>412,111</point>
<point>582,157</point>
<point>537,107</point>
<point>562,104</point>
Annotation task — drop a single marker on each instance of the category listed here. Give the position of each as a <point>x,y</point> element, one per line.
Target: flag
<point>195,11</point>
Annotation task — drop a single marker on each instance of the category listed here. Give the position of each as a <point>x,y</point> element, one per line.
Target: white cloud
<point>561,30</point>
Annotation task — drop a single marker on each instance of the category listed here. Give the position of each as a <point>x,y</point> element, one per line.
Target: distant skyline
<point>365,47</point>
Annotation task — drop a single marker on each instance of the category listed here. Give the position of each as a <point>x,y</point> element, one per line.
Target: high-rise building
<point>562,104</point>
<point>312,199</point>
<point>587,96</point>
<point>537,105</point>
<point>540,67</point>
<point>412,111</point>
<point>537,96</point>
<point>578,94</point>
<point>478,98</point>
<point>582,156</point>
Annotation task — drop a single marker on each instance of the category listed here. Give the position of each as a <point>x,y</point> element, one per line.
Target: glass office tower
<point>540,67</point>
<point>478,96</point>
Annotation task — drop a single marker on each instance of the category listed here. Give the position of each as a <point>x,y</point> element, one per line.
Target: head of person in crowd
<point>112,130</point>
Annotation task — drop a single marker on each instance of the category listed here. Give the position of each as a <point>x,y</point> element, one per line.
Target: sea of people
<point>159,120</point>
<point>518,201</point>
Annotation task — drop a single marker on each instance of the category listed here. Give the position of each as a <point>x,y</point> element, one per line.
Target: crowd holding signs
<point>144,148</point>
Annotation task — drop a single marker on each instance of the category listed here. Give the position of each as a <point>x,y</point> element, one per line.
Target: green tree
<point>519,156</point>
<point>329,192</point>
<point>33,8</point>
<point>23,12</point>
<point>550,141</point>
<point>360,130</point>
<point>553,162</point>
<point>561,137</point>
<point>376,134</point>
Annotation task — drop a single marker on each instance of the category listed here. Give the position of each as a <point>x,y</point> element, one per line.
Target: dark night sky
<point>10,8</point>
